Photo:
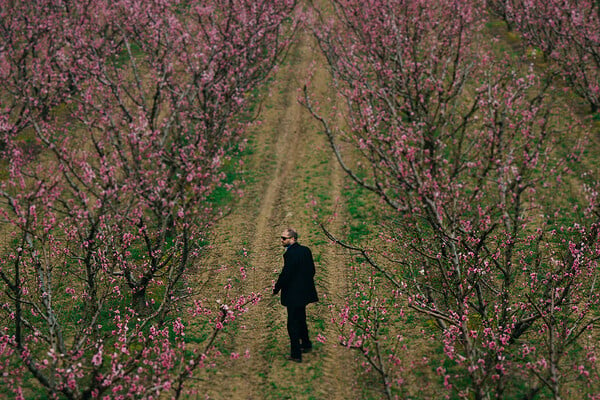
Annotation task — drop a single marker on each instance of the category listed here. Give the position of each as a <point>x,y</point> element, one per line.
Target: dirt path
<point>289,163</point>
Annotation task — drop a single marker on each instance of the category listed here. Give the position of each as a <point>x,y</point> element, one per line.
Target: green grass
<point>123,57</point>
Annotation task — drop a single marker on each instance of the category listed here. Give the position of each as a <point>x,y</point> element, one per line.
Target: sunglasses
<point>285,238</point>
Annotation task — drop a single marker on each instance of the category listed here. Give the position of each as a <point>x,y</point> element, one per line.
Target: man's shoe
<point>294,359</point>
<point>306,350</point>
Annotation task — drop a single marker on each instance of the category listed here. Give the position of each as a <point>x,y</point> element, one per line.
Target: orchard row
<point>488,185</point>
<point>118,119</point>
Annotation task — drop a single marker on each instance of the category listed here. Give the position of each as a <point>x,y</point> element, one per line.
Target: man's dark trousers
<point>297,330</point>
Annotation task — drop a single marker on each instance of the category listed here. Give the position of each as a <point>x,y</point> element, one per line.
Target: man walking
<point>296,282</point>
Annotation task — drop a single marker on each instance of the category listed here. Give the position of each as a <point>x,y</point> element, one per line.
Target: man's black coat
<point>296,280</point>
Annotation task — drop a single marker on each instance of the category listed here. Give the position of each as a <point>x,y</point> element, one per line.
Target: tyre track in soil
<point>289,157</point>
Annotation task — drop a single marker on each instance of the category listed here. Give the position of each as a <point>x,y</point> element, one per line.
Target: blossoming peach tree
<point>117,119</point>
<point>490,214</point>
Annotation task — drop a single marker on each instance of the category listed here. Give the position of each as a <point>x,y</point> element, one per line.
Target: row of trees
<point>491,212</point>
<point>566,33</point>
<point>116,120</point>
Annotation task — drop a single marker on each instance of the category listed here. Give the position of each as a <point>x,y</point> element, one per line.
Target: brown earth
<point>289,163</point>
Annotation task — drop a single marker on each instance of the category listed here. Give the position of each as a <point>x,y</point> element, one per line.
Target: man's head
<point>288,237</point>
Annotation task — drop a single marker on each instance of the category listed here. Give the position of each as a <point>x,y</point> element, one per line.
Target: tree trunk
<point>138,300</point>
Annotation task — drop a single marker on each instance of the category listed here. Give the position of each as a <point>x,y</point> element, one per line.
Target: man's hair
<point>292,233</point>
